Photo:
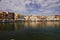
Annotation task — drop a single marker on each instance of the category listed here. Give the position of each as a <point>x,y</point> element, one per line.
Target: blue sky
<point>31,7</point>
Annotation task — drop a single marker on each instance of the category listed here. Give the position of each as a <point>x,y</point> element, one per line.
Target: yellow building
<point>17,16</point>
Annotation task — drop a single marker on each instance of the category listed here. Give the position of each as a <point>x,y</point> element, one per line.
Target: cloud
<point>0,0</point>
<point>38,7</point>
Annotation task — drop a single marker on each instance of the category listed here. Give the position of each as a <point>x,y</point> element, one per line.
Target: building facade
<point>3,15</point>
<point>11,15</point>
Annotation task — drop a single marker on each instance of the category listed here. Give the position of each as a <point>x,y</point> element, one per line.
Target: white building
<point>50,18</point>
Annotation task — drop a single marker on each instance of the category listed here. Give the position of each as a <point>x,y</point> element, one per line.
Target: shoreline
<point>17,21</point>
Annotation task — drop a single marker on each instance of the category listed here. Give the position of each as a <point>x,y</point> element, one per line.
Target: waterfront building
<point>3,15</point>
<point>57,17</point>
<point>17,16</point>
<point>32,18</point>
<point>22,17</point>
<point>42,17</point>
<point>26,17</point>
<point>54,17</point>
<point>50,18</point>
<point>11,15</point>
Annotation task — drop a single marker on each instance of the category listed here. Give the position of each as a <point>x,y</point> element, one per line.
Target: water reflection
<point>30,30</point>
<point>17,26</point>
<point>41,24</point>
<point>6,26</point>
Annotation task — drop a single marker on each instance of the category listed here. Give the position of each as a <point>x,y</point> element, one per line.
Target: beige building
<point>54,17</point>
<point>50,18</point>
<point>32,18</point>
<point>57,17</point>
<point>26,17</point>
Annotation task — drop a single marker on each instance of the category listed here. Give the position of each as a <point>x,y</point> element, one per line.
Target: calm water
<point>30,31</point>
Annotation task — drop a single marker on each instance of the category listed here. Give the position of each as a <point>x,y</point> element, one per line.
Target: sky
<point>31,7</point>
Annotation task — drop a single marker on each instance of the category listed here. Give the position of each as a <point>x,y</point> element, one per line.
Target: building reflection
<point>34,24</point>
<point>52,24</point>
<point>17,26</point>
<point>6,27</point>
<point>26,25</point>
<point>41,24</point>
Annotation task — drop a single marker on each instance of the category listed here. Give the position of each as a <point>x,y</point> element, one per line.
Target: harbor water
<point>30,31</point>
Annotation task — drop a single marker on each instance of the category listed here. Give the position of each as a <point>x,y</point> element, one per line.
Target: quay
<point>17,20</point>
<point>22,20</point>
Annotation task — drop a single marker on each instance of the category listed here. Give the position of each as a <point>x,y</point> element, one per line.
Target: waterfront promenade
<point>23,20</point>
